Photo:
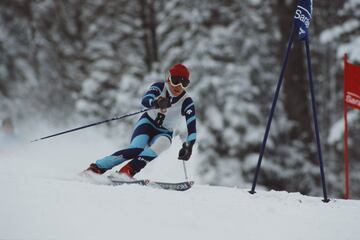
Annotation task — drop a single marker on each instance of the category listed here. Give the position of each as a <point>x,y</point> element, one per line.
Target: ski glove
<point>162,103</point>
<point>185,151</point>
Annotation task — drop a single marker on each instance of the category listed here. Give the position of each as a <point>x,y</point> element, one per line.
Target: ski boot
<point>127,170</point>
<point>124,174</point>
<point>95,169</point>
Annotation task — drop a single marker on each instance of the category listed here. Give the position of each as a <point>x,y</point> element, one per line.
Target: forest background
<point>77,61</point>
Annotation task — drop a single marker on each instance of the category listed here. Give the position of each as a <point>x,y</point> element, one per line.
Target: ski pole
<point>93,124</point>
<point>185,172</point>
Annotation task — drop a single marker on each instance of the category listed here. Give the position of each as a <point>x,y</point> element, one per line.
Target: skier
<point>8,138</point>
<point>154,130</point>
<point>7,127</point>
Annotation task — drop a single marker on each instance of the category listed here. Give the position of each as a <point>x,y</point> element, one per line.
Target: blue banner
<point>302,18</point>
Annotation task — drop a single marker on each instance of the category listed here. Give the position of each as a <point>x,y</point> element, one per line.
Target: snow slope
<point>41,198</point>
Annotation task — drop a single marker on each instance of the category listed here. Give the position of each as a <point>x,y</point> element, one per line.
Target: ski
<point>140,182</point>
<point>180,186</point>
<point>115,181</point>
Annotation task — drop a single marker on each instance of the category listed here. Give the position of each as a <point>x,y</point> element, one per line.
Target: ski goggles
<point>179,80</point>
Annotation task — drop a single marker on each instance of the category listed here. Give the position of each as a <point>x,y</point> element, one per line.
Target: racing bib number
<point>160,119</point>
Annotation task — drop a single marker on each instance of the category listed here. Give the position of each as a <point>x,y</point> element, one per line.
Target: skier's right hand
<point>185,151</point>
<point>162,103</point>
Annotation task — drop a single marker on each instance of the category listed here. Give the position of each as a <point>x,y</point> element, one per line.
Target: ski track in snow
<point>43,198</point>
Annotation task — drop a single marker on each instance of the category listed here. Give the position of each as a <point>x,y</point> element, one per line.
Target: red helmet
<point>179,70</point>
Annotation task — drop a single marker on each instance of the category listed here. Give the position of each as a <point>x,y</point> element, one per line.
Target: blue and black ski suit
<point>154,130</point>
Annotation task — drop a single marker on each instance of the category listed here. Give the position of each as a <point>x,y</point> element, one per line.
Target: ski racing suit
<point>154,130</point>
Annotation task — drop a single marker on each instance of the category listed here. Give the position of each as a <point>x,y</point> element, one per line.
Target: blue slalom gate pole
<point>272,110</point>
<point>313,103</point>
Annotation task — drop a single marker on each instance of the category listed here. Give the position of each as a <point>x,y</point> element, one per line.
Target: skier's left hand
<point>185,151</point>
<point>162,103</point>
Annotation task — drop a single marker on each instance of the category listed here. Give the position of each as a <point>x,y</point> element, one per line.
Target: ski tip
<point>191,183</point>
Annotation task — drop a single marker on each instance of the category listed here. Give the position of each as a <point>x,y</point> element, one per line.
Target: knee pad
<point>160,145</point>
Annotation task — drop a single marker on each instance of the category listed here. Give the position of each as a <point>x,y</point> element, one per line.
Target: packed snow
<point>42,197</point>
